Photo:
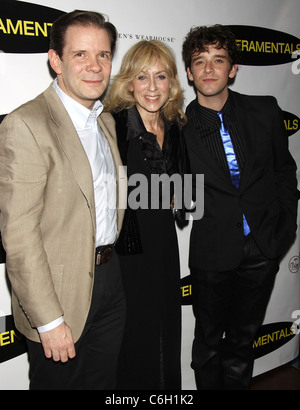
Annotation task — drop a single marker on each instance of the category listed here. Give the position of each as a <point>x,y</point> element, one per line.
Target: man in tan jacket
<point>61,186</point>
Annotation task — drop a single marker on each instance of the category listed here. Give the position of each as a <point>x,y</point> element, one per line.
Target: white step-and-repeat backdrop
<point>268,32</point>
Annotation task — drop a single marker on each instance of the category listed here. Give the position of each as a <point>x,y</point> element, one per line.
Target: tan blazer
<point>47,216</point>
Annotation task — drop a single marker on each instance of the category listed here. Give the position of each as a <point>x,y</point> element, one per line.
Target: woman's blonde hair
<point>140,57</point>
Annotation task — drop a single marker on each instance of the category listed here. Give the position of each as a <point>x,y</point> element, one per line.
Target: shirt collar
<point>81,116</point>
<point>210,117</point>
<point>136,126</point>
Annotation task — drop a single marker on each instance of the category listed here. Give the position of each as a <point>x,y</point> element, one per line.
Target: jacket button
<point>91,274</point>
<point>239,225</point>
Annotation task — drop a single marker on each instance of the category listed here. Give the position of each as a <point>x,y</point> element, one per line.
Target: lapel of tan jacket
<point>74,151</point>
<point>72,147</point>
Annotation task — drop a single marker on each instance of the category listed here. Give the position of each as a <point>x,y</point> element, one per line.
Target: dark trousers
<point>229,308</point>
<point>97,350</point>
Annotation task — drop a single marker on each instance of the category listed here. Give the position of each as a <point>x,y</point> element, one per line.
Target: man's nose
<point>94,64</point>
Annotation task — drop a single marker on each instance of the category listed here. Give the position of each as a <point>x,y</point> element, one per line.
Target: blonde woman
<point>145,99</point>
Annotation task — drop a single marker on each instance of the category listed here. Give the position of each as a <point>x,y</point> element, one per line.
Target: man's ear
<point>55,61</point>
<point>233,71</point>
<point>190,74</point>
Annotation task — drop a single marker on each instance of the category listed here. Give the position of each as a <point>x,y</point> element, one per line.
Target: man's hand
<point>58,343</point>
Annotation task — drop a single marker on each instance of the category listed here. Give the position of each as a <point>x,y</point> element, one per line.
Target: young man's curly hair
<point>199,38</point>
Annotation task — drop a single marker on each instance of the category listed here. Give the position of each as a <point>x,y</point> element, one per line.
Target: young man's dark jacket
<point>267,195</point>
